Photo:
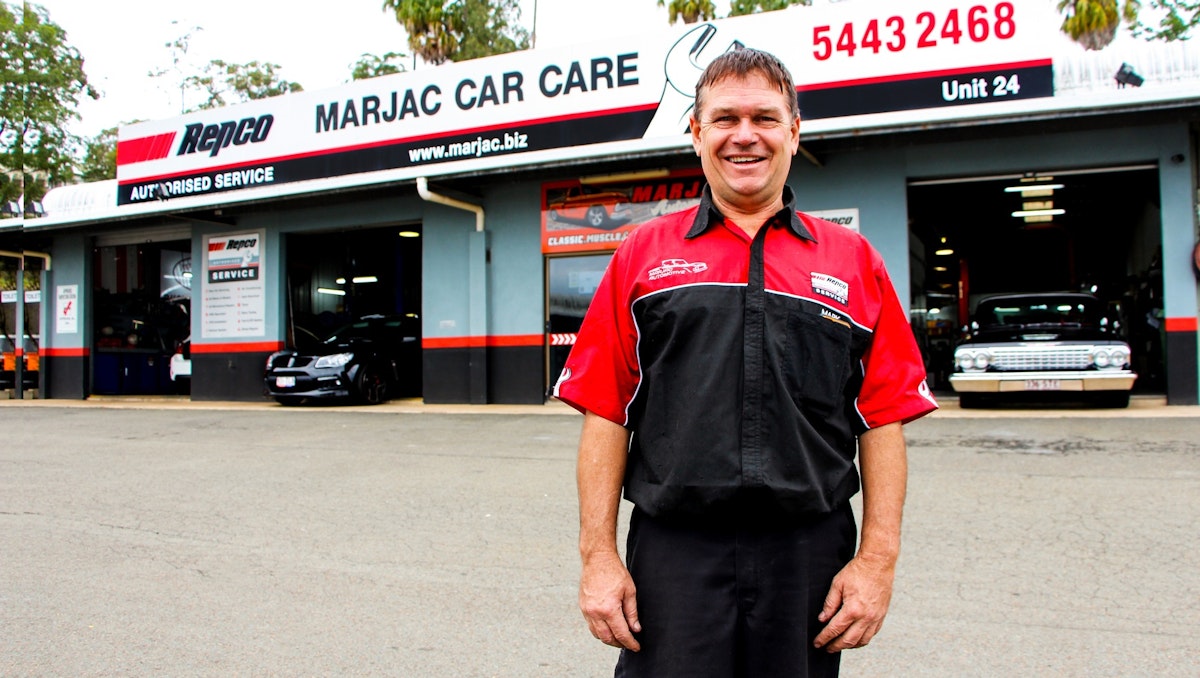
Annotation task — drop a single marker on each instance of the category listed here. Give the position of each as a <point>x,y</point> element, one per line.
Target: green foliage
<point>690,11</point>
<point>100,157</point>
<point>1094,23</point>
<point>42,82</point>
<point>742,7</point>
<point>224,83</point>
<point>458,30</point>
<point>1178,18</point>
<point>372,66</point>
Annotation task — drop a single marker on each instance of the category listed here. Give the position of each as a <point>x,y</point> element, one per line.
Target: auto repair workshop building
<point>974,146</point>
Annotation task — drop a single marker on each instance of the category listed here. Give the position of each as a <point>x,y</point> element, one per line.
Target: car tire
<point>289,401</point>
<point>970,401</point>
<point>1116,400</point>
<point>371,387</point>
<point>596,216</point>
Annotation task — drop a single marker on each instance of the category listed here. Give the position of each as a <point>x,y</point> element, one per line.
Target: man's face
<point>745,137</point>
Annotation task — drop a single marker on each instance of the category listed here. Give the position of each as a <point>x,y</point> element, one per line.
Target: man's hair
<point>743,62</point>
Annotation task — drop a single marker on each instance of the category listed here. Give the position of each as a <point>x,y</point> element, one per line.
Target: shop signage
<point>233,288</point>
<point>622,95</point>
<point>578,217</point>
<point>66,309</point>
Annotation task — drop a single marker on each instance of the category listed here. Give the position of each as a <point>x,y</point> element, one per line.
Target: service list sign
<point>868,57</point>
<point>234,291</point>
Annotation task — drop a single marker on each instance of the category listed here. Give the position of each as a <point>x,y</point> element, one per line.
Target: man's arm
<point>606,591</point>
<point>861,592</point>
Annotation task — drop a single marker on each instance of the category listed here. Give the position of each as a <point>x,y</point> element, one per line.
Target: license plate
<point>285,382</point>
<point>1043,385</point>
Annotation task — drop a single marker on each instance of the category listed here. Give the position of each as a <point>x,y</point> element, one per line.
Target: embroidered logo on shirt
<point>676,267</point>
<point>830,315</point>
<point>829,286</point>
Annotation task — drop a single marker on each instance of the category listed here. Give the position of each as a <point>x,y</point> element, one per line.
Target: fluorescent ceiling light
<point>340,281</point>
<point>409,234</point>
<point>1033,187</point>
<point>326,290</point>
<point>944,253</point>
<point>1038,213</point>
<point>364,279</point>
<point>940,269</point>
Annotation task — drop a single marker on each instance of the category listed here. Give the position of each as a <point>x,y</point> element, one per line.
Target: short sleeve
<point>894,386</point>
<point>601,374</point>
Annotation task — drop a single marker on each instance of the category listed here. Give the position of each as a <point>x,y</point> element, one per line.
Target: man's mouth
<point>743,159</point>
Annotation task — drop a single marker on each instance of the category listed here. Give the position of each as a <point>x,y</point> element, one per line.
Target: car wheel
<point>970,401</point>
<point>596,216</point>
<point>289,401</point>
<point>1112,399</point>
<point>371,386</point>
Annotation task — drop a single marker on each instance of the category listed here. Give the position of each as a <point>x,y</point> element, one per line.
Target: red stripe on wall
<point>65,352</point>
<point>947,73</point>
<point>505,341</point>
<point>248,347</point>
<point>156,147</point>
<point>1182,324</point>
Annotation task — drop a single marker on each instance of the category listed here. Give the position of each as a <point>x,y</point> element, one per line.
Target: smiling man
<point>728,401</point>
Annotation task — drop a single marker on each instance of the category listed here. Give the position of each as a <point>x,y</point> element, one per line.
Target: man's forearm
<point>603,448</point>
<point>884,464</point>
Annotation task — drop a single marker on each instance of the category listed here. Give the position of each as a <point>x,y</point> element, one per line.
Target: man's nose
<point>745,132</point>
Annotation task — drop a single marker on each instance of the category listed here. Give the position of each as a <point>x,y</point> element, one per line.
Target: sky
<point>122,40</point>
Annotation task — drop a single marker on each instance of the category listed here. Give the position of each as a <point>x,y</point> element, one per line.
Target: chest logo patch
<point>676,267</point>
<point>831,287</point>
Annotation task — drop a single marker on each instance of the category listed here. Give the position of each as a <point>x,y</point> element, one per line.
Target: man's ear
<point>694,126</point>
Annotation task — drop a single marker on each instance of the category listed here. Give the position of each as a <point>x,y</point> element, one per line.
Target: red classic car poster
<point>597,213</point>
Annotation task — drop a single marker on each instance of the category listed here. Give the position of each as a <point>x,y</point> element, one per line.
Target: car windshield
<point>1039,311</point>
<point>370,328</point>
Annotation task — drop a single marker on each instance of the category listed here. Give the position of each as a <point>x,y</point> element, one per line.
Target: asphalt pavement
<point>160,537</point>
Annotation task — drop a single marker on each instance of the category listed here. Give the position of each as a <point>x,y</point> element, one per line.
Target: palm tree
<point>690,11</point>
<point>1094,23</point>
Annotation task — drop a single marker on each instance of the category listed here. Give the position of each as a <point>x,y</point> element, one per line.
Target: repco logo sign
<point>213,138</point>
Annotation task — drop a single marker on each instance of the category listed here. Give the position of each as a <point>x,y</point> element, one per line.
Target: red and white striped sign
<point>563,339</point>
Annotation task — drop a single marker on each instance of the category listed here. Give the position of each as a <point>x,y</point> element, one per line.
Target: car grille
<point>286,361</point>
<point>1048,358</point>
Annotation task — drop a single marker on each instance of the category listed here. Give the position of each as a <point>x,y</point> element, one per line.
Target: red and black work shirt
<point>745,369</point>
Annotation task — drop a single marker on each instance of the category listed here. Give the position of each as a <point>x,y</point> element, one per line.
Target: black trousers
<point>733,601</point>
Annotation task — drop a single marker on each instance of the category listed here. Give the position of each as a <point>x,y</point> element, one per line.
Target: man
<point>734,357</point>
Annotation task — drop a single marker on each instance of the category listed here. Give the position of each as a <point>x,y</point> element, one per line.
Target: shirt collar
<point>708,214</point>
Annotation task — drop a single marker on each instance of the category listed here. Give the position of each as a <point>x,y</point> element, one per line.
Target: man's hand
<point>608,600</point>
<point>857,602</point>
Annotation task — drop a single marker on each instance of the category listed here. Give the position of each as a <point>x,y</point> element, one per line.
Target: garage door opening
<point>336,278</point>
<point>1094,230</point>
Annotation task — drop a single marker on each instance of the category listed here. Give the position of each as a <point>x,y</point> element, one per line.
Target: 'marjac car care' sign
<point>620,95</point>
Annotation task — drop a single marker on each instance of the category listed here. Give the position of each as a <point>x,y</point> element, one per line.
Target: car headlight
<point>1120,357</point>
<point>1110,357</point>
<point>973,360</point>
<point>335,360</point>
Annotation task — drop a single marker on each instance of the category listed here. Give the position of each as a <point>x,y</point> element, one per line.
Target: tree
<point>372,66</point>
<point>1094,23</point>
<point>460,29</point>
<point>43,80</point>
<point>1177,20</point>
<point>224,83</point>
<point>690,11</point>
<point>742,7</point>
<point>100,157</point>
<point>179,49</point>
